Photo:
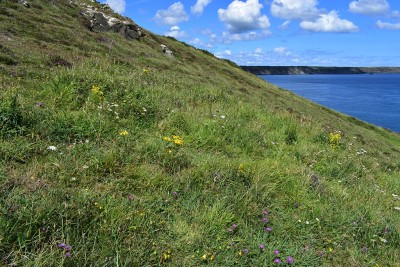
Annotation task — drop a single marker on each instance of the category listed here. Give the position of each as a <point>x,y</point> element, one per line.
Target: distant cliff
<point>285,70</point>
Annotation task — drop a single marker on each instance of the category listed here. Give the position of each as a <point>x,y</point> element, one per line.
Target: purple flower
<point>234,226</point>
<point>276,252</point>
<point>67,247</point>
<point>289,260</point>
<point>262,246</point>
<point>277,261</point>
<point>61,245</point>
<point>321,253</point>
<point>175,194</point>
<point>230,230</point>
<point>68,254</point>
<point>40,104</point>
<point>268,229</point>
<point>130,197</point>
<point>265,212</point>
<point>265,220</point>
<point>245,251</point>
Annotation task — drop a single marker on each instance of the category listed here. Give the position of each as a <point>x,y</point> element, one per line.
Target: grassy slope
<point>248,146</point>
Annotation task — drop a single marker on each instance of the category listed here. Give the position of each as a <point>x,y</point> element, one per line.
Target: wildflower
<point>277,261</point>
<point>130,197</point>
<point>166,138</point>
<point>265,220</point>
<point>123,133</point>
<point>61,245</point>
<point>276,252</point>
<point>234,226</point>
<point>222,117</point>
<point>265,212</point>
<point>146,70</point>
<point>261,246</point>
<point>40,104</point>
<point>67,247</point>
<point>289,260</point>
<point>68,254</point>
<point>175,194</point>
<point>245,251</point>
<point>204,257</point>
<point>268,229</point>
<point>52,148</point>
<point>330,249</point>
<point>240,253</point>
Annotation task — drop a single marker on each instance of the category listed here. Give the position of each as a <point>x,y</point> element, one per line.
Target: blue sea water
<point>371,98</point>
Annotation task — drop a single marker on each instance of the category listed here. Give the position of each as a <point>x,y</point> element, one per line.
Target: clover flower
<point>261,246</point>
<point>277,261</point>
<point>289,260</point>
<point>265,212</point>
<point>276,252</point>
<point>268,229</point>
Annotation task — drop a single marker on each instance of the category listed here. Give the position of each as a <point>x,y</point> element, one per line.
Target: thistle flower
<point>268,229</point>
<point>289,260</point>
<point>277,261</point>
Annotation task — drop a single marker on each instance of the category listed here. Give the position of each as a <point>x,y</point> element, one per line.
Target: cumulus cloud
<point>329,23</point>
<point>173,15</point>
<point>117,5</point>
<point>295,9</point>
<point>198,8</point>
<point>242,16</point>
<point>176,32</point>
<point>369,7</point>
<point>387,25</point>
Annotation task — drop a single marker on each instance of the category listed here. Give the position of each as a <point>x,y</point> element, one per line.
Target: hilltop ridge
<point>114,152</point>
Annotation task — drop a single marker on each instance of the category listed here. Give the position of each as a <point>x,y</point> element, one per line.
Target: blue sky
<point>278,32</point>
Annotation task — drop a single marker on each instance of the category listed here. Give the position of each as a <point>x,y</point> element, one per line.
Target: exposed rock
<point>167,51</point>
<point>24,3</point>
<point>99,21</point>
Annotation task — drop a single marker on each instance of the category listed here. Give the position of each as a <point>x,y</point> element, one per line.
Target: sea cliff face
<point>286,70</point>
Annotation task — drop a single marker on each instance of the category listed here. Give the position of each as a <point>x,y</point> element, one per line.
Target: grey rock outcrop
<point>98,21</point>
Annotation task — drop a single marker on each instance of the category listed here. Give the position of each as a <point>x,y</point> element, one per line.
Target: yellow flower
<point>146,70</point>
<point>166,138</point>
<point>240,254</point>
<point>123,133</point>
<point>178,141</point>
<point>330,250</point>
<point>204,257</point>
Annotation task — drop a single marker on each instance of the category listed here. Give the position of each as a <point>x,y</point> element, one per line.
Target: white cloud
<point>117,5</point>
<point>258,51</point>
<point>228,37</point>
<point>242,16</point>
<point>198,8</point>
<point>173,15</point>
<point>396,14</point>
<point>284,25</point>
<point>329,23</point>
<point>175,31</point>
<point>282,51</point>
<point>369,7</point>
<point>295,9</point>
<point>387,25</point>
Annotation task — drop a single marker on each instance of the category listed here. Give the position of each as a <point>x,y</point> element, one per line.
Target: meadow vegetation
<point>112,154</point>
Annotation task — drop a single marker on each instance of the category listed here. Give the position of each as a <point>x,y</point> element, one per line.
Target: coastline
<point>299,70</point>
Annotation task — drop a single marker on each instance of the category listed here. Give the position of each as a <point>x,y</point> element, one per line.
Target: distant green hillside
<point>113,152</point>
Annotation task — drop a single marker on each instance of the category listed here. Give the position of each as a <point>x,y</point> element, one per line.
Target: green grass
<point>140,199</point>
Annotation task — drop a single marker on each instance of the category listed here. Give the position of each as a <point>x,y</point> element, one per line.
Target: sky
<point>277,32</point>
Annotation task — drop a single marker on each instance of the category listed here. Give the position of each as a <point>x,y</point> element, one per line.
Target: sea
<point>373,98</point>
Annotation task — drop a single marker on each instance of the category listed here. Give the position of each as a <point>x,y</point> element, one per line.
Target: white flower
<point>52,148</point>
<point>222,116</point>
